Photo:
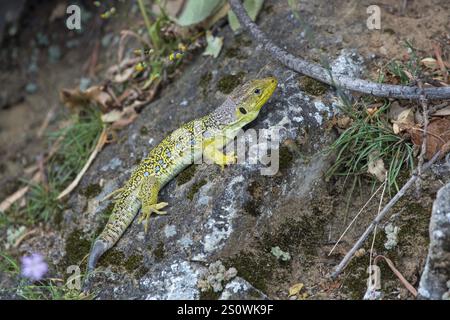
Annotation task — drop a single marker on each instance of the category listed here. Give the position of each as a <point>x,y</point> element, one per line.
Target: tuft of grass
<point>368,135</point>
<point>76,143</point>
<point>411,69</point>
<point>47,289</point>
<point>41,203</point>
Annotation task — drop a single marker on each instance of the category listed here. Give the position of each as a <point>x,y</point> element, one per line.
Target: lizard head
<point>244,103</point>
<point>252,96</point>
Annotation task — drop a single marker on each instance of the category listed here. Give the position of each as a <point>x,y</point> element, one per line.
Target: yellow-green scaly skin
<point>176,152</point>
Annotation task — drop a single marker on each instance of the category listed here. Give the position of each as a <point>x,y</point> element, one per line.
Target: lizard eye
<point>242,110</point>
<point>257,91</point>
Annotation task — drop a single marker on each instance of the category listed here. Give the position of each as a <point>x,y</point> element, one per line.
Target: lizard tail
<point>98,249</point>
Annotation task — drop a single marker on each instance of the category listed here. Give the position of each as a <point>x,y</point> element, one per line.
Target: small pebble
<point>31,88</point>
<point>54,53</point>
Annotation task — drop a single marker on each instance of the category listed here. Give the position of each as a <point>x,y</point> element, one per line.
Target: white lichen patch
<point>391,235</point>
<point>280,254</point>
<point>185,242</point>
<point>215,277</point>
<point>220,226</point>
<point>112,165</point>
<point>177,282</point>
<point>170,230</point>
<point>348,63</point>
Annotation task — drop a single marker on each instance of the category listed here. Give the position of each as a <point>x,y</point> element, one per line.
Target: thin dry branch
<point>321,74</point>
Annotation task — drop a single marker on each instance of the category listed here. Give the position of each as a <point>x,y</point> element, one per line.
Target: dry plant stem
<point>380,217</point>
<point>423,149</point>
<point>321,74</point>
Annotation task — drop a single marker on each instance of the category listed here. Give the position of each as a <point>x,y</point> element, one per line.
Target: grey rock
<point>240,289</point>
<point>210,221</point>
<point>435,277</point>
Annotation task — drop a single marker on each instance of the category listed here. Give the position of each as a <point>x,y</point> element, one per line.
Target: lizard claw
<point>147,211</point>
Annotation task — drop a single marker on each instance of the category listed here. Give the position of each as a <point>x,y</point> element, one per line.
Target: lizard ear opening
<point>242,110</point>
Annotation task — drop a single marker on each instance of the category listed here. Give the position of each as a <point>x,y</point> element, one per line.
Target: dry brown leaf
<point>295,289</point>
<point>120,119</point>
<point>438,135</point>
<point>74,98</point>
<point>376,167</point>
<point>404,121</point>
<point>430,63</point>
<point>125,75</point>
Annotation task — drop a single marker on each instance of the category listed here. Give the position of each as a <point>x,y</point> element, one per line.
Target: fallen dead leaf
<point>125,75</point>
<point>404,122</point>
<point>74,98</point>
<point>376,167</point>
<point>430,63</point>
<point>344,122</point>
<point>120,119</point>
<point>438,136</point>
<point>295,289</point>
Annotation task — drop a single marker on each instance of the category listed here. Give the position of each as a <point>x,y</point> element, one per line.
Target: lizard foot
<point>147,211</point>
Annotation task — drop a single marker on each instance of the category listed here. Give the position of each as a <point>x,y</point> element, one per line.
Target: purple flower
<point>34,267</point>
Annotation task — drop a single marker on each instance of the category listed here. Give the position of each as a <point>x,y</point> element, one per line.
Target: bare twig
<point>381,215</point>
<point>327,76</point>
<point>10,200</point>
<point>402,279</point>
<point>423,149</point>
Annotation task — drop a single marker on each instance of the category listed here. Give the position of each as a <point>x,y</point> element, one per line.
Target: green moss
<point>159,252</point>
<point>235,53</point>
<point>246,263</point>
<point>414,225</point>
<point>194,189</point>
<point>252,207</point>
<point>186,175</point>
<point>389,31</point>
<point>142,271</point>
<point>92,190</point>
<point>303,235</point>
<point>77,247</point>
<point>209,295</point>
<point>143,131</point>
<point>133,262</point>
<point>286,158</point>
<point>58,219</point>
<point>227,83</point>
<point>242,40</point>
<point>112,257</point>
<point>312,86</point>
<point>116,259</point>
<point>205,80</point>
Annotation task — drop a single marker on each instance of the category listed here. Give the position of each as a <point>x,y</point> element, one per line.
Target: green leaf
<point>214,45</point>
<point>196,11</point>
<point>253,7</point>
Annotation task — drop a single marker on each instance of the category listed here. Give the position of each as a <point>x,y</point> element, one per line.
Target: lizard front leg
<point>148,196</point>
<point>211,151</point>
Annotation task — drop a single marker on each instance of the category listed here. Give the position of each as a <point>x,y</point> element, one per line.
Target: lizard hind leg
<point>148,196</point>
